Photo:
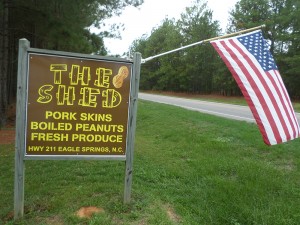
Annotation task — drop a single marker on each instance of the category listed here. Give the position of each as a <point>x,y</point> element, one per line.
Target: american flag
<point>253,67</point>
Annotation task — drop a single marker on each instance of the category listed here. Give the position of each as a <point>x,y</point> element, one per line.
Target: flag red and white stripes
<point>253,67</point>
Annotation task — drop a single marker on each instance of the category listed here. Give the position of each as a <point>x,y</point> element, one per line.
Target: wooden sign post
<point>74,107</point>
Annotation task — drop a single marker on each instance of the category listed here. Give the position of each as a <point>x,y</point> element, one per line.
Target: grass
<point>236,100</point>
<point>189,168</point>
<point>296,106</point>
<point>239,101</point>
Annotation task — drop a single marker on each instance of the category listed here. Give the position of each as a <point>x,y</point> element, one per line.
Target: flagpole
<point>201,42</point>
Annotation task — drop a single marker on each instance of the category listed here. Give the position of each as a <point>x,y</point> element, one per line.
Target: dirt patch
<point>172,214</point>
<point>11,116</point>
<point>7,136</point>
<point>7,133</point>
<point>286,165</point>
<point>88,212</point>
<point>54,220</point>
<point>8,217</point>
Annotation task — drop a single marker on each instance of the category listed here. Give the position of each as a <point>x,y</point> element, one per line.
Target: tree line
<point>199,69</point>
<point>64,25</point>
<point>51,24</point>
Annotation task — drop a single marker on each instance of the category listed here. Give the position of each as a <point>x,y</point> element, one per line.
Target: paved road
<point>219,109</point>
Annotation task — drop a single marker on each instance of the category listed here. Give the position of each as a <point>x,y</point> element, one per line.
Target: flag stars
<point>253,67</point>
<point>258,47</point>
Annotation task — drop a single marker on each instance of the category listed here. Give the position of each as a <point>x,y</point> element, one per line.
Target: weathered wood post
<point>132,125</point>
<point>20,130</point>
<point>27,103</point>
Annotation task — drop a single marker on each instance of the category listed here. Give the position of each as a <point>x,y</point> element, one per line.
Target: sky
<point>140,21</point>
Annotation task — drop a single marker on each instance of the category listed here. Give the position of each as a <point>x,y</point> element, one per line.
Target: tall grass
<point>189,168</point>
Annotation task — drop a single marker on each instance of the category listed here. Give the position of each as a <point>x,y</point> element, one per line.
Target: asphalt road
<point>218,109</point>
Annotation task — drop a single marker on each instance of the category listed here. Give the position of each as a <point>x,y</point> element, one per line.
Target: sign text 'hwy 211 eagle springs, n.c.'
<point>76,106</point>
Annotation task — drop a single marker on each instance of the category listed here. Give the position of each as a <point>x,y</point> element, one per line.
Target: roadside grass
<point>296,106</point>
<point>189,168</point>
<point>220,99</point>
<point>236,100</point>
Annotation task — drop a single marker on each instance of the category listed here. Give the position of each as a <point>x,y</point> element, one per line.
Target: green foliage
<point>249,13</point>
<point>191,70</point>
<point>289,59</point>
<point>57,25</point>
<point>198,69</point>
<point>282,20</point>
<point>196,24</point>
<point>163,71</point>
<point>63,25</point>
<point>189,168</point>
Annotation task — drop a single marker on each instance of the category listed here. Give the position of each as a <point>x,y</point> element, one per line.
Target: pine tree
<point>56,25</point>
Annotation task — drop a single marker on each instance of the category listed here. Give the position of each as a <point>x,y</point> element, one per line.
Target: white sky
<point>141,20</point>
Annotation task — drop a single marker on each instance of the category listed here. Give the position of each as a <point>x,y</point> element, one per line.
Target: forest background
<point>64,25</point>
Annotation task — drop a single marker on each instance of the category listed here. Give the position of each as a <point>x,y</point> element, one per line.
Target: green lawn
<point>189,168</point>
<point>236,100</point>
<point>239,101</point>
<point>296,106</point>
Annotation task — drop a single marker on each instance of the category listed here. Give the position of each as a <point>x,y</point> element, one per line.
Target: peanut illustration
<point>120,77</point>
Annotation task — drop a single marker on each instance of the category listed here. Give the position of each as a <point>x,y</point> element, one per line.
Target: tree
<point>166,68</point>
<point>4,59</point>
<point>161,73</point>
<point>288,55</point>
<point>190,70</point>
<point>282,29</point>
<point>57,25</point>
<point>199,69</point>
<point>196,24</point>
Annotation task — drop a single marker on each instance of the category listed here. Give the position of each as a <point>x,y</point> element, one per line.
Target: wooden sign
<point>77,106</point>
<point>74,106</point>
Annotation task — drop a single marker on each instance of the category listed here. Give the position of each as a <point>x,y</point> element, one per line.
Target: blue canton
<point>259,48</point>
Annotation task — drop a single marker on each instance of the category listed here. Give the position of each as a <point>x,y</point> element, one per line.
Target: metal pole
<point>20,130</point>
<point>201,42</point>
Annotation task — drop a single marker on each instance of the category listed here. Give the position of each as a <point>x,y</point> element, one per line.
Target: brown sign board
<point>76,106</point>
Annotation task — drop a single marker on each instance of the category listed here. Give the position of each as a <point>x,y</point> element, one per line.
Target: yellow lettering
<point>57,69</point>
<point>95,149</point>
<point>112,98</point>
<point>49,137</point>
<point>44,95</point>
<point>96,117</point>
<point>114,149</point>
<point>50,126</point>
<point>76,75</point>
<point>68,149</point>
<point>97,138</point>
<point>65,94</point>
<point>108,128</point>
<point>89,97</point>
<point>103,76</point>
<point>60,115</point>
